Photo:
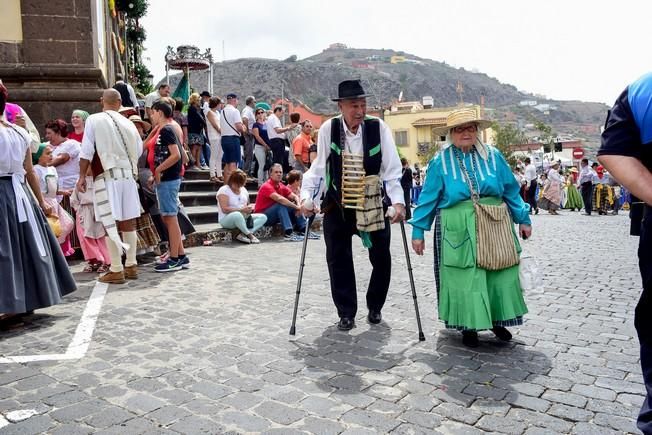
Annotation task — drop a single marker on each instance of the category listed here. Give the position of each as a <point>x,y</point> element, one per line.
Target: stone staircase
<point>197,194</point>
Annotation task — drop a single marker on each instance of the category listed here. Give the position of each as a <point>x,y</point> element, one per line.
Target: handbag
<point>496,248</point>
<point>269,161</point>
<point>249,220</point>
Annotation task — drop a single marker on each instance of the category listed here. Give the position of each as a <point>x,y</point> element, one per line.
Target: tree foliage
<point>507,135</point>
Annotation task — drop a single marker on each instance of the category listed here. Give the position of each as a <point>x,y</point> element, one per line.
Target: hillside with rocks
<point>314,80</point>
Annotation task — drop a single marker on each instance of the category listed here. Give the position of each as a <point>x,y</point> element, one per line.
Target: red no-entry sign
<point>578,153</point>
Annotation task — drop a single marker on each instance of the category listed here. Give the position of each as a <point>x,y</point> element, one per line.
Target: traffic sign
<point>578,153</point>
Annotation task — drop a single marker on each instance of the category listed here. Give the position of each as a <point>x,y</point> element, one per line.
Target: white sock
<point>131,238</point>
<point>116,256</point>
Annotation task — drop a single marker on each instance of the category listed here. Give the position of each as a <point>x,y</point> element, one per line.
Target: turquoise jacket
<point>445,186</point>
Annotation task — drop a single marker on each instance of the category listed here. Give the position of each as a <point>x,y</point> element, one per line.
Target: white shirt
<point>553,175</point>
<point>272,123</point>
<point>235,200</point>
<point>119,157</point>
<point>213,134</point>
<point>391,171</point>
<point>152,98</point>
<point>13,147</point>
<point>69,171</point>
<point>205,107</point>
<point>248,113</point>
<point>231,117</point>
<point>530,173</point>
<point>586,175</point>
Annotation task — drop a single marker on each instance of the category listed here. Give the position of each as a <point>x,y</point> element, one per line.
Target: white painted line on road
<point>83,335</point>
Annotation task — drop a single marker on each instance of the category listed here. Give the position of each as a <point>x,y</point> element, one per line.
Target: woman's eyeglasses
<point>470,128</point>
<point>260,113</point>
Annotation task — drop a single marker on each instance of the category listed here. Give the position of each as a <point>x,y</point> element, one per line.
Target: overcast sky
<point>569,50</point>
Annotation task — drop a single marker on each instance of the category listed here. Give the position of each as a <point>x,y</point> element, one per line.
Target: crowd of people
<point>590,188</point>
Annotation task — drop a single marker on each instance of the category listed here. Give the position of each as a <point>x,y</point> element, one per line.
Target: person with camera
<point>234,209</point>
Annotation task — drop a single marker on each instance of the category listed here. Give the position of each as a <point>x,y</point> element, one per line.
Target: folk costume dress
<point>33,269</point>
<point>469,297</point>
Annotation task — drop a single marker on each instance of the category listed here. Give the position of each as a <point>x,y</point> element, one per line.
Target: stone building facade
<point>57,55</point>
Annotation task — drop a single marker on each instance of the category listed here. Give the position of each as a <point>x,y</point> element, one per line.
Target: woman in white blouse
<point>233,208</point>
<point>65,153</point>
<point>33,270</point>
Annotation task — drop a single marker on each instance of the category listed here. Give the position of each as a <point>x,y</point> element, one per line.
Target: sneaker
<point>169,266</point>
<point>254,240</point>
<point>313,236</point>
<point>293,238</point>
<point>185,262</point>
<point>242,238</point>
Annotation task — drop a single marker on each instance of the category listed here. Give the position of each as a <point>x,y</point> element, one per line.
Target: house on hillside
<point>337,46</point>
<point>397,59</point>
<point>412,126</point>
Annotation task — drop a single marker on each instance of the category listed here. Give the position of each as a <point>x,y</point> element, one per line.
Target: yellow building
<point>412,126</point>
<point>397,59</point>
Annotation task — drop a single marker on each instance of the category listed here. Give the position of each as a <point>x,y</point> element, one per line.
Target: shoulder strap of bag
<point>227,121</point>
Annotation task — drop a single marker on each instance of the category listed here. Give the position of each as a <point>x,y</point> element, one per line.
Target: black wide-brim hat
<point>350,90</point>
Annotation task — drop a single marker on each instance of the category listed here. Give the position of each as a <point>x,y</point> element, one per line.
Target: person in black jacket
<point>196,128</point>
<point>406,184</point>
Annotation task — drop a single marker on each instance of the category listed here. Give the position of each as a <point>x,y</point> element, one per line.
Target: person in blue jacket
<point>626,152</point>
<point>470,299</point>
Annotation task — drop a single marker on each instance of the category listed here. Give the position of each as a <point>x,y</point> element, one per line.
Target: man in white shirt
<point>232,129</point>
<point>585,183</point>
<point>531,183</point>
<point>276,134</point>
<point>205,97</point>
<point>371,139</point>
<point>111,148</point>
<point>150,99</point>
<point>248,119</point>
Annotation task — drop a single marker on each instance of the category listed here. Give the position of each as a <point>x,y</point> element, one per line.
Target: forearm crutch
<point>303,262</point>
<point>414,292</point>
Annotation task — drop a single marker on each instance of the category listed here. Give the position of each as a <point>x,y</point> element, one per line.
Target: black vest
<point>372,158</point>
<point>124,94</point>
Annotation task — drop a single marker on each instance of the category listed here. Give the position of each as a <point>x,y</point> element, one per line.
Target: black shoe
<point>346,324</point>
<point>374,317</point>
<point>502,333</point>
<point>470,339</point>
<point>536,211</point>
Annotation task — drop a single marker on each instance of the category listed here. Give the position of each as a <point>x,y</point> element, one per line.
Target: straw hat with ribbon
<point>465,115</point>
<point>462,116</point>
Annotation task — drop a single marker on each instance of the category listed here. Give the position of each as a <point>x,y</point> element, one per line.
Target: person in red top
<point>301,147</point>
<point>279,204</point>
<point>78,120</point>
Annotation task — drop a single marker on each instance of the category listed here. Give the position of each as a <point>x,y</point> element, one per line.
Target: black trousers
<point>643,319</point>
<point>338,233</point>
<point>278,150</point>
<point>587,196</point>
<point>532,195</point>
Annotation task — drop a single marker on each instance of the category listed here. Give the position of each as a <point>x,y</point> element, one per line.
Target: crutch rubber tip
<point>293,330</point>
<point>422,337</point>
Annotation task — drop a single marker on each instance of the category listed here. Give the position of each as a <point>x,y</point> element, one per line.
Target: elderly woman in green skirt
<point>470,298</point>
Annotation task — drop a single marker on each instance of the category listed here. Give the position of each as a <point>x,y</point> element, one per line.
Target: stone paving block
<point>324,407</point>
<point>36,425</point>
<point>492,407</point>
<point>167,415</point>
<point>370,419</point>
<point>424,419</point>
<point>204,406</point>
<point>197,425</point>
<point>458,413</point>
<point>109,415</point>
<point>485,390</point>
<point>565,398</point>
<point>412,429</point>
<point>78,411</point>
<point>593,392</point>
<point>141,403</point>
<point>501,424</point>
<point>630,399</point>
<point>72,429</point>
<point>620,386</point>
<point>419,402</point>
<point>279,413</point>
<point>540,420</point>
<point>612,408</point>
<point>522,401</point>
<point>593,429</point>
<point>321,426</point>
<point>618,423</point>
<point>10,374</point>
<point>244,421</point>
<point>539,431</point>
<point>570,413</point>
<point>456,428</point>
<point>384,392</point>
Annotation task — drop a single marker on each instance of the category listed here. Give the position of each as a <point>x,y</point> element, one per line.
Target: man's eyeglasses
<point>470,128</point>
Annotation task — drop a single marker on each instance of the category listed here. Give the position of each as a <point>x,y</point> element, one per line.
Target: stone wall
<point>52,70</point>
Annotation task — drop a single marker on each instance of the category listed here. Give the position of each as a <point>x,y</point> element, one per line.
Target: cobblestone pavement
<point>207,350</point>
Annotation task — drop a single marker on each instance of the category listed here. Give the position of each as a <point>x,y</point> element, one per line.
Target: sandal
<point>89,268</point>
<point>103,268</point>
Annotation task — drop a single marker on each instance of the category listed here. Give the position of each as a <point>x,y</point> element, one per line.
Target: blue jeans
<point>286,216</point>
<point>205,154</point>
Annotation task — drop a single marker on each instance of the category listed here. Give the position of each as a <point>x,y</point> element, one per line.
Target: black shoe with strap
<point>346,324</point>
<point>470,339</point>
<point>374,317</point>
<point>502,333</point>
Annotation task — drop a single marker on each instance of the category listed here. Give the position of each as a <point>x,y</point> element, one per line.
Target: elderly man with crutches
<point>358,170</point>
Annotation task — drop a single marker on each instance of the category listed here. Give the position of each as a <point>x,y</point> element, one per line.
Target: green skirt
<point>472,298</point>
<point>573,198</point>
